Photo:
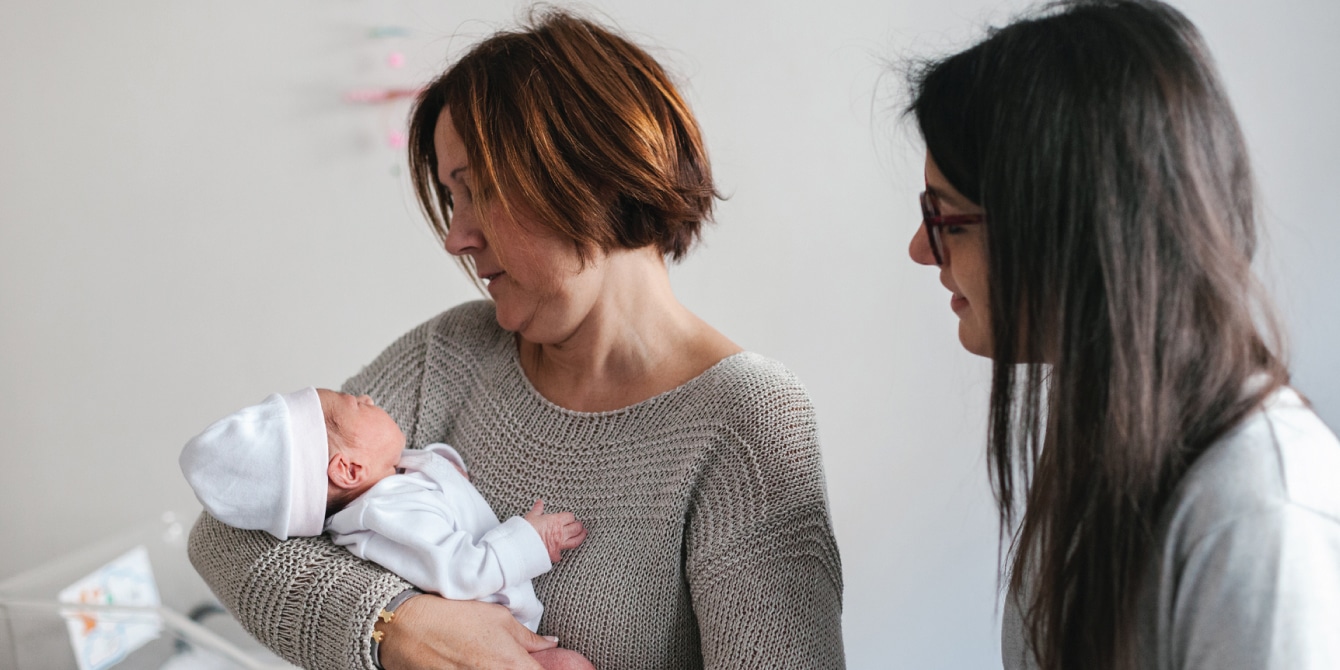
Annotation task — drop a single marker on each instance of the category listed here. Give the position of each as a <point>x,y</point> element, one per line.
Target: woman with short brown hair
<point>562,167</point>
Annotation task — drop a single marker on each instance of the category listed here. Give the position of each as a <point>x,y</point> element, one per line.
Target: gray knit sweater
<point>709,540</point>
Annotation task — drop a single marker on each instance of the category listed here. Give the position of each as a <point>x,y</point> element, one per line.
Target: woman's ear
<point>344,472</point>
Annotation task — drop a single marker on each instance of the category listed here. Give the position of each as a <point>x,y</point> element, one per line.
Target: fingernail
<point>551,638</point>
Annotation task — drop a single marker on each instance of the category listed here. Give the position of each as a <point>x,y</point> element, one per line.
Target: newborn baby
<point>316,460</point>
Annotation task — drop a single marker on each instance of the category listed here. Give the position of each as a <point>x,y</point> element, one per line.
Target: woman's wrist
<point>385,619</point>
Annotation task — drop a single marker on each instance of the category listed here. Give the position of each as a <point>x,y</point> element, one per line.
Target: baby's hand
<point>558,531</point>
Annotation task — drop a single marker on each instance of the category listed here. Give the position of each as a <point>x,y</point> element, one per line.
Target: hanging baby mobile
<point>391,102</point>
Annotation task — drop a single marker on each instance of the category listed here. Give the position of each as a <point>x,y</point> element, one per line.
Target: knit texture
<point>709,546</point>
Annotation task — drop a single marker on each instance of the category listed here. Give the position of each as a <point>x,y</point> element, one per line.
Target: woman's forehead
<point>938,185</point>
<point>450,149</point>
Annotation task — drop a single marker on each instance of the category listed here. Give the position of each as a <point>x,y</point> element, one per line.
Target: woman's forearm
<point>310,602</point>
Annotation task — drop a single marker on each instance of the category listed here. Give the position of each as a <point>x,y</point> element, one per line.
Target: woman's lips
<point>957,303</point>
<point>488,278</point>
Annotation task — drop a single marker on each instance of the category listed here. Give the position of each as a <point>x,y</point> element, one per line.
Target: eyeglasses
<point>935,222</point>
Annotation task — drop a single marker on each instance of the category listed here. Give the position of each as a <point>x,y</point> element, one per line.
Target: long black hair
<point>1127,324</point>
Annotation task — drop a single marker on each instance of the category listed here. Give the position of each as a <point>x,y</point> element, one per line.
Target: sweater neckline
<point>514,365</point>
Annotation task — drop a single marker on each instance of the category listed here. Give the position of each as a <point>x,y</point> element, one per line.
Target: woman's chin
<point>973,340</point>
<point>512,323</point>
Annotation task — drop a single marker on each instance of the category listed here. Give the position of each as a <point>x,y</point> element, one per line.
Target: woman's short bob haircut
<point>577,128</point>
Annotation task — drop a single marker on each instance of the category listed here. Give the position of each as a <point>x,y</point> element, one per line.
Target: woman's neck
<point>635,342</point>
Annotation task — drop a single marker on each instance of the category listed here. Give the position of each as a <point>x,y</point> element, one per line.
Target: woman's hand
<point>432,632</point>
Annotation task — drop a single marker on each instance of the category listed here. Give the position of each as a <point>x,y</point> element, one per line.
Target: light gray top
<point>1247,574</point>
<point>709,545</point>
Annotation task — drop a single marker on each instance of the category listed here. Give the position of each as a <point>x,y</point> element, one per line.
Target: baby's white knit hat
<point>263,467</point>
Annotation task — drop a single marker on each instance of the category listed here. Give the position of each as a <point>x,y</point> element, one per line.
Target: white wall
<point>190,219</point>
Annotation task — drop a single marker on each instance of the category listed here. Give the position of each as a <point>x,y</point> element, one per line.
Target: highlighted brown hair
<point>575,126</point>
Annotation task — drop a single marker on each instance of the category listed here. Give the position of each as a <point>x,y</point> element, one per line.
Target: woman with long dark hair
<point>1171,502</point>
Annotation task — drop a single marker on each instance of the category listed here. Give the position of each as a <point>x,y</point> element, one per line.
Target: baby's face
<point>361,429</point>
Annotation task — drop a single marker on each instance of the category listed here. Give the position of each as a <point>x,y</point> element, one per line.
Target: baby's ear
<point>344,472</point>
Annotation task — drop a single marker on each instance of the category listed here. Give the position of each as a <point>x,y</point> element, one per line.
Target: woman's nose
<point>463,235</point>
<point>920,248</point>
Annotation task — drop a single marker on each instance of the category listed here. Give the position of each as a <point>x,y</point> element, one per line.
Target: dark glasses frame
<point>934,222</point>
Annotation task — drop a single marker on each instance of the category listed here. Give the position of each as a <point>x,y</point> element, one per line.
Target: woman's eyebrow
<point>941,195</point>
<point>956,200</point>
